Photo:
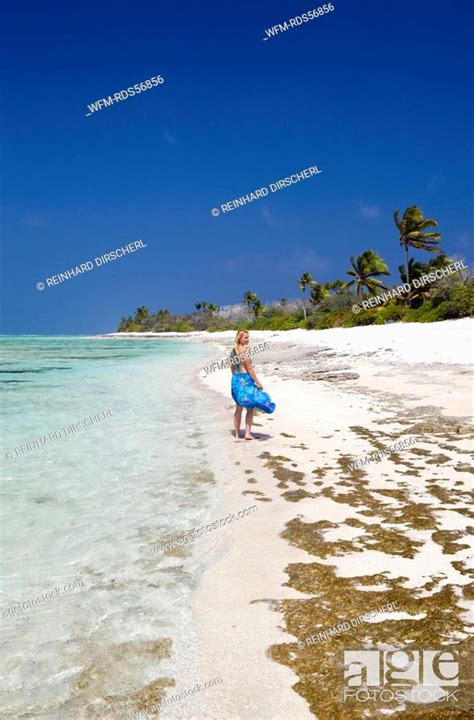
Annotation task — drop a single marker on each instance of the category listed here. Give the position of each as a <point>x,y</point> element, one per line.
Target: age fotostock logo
<point>402,675</point>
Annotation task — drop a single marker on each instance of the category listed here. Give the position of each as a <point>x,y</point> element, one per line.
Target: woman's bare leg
<point>248,425</point>
<point>237,419</point>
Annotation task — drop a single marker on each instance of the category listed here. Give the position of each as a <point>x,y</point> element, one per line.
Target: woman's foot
<point>249,437</point>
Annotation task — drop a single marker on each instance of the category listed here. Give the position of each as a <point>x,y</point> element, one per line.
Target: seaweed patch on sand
<point>407,539</point>
<point>428,621</point>
<point>280,473</point>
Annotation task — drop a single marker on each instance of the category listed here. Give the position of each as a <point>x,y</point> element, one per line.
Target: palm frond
<point>354,264</point>
<point>428,222</point>
<point>396,218</point>
<point>377,272</point>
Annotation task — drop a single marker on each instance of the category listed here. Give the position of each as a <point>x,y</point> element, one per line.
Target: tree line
<point>365,278</point>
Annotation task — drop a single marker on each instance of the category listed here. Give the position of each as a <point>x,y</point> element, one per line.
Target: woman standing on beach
<point>247,390</point>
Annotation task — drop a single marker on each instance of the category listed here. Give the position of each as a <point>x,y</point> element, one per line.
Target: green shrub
<point>425,313</point>
<point>180,326</point>
<point>343,301</point>
<point>448,303</point>
<point>314,319</point>
<point>440,295</point>
<point>390,313</point>
<point>365,317</point>
<point>324,320</point>
<point>334,319</point>
<point>271,311</point>
<point>283,322</point>
<point>457,301</point>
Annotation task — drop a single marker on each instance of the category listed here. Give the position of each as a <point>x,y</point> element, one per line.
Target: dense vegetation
<point>330,304</point>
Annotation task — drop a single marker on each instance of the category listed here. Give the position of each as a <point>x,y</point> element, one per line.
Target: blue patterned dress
<point>247,394</point>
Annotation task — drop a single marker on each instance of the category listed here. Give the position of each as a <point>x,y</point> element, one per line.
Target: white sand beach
<point>394,531</point>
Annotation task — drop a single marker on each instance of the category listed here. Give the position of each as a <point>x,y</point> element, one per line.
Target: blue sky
<point>377,95</point>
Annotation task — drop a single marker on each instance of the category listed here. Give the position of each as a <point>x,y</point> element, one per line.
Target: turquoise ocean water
<point>89,507</point>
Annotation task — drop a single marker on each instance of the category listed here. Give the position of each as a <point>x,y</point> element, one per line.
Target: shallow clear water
<point>91,506</point>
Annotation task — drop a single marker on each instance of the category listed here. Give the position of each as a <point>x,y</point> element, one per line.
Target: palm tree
<point>253,303</point>
<point>198,306</point>
<point>303,283</point>
<point>365,271</point>
<point>318,294</point>
<point>337,286</point>
<point>124,323</point>
<point>211,309</point>
<point>257,307</point>
<point>160,320</point>
<point>410,228</point>
<point>141,314</point>
<point>249,299</point>
<point>417,269</point>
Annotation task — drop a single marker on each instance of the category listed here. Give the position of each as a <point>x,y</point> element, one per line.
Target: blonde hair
<point>240,334</point>
<point>234,355</point>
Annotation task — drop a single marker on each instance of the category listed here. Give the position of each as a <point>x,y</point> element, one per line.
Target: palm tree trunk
<point>304,308</point>
<point>407,271</point>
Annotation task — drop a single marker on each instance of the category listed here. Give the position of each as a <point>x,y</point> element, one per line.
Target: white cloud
<point>436,182</point>
<point>33,220</point>
<point>369,211</point>
<point>268,217</point>
<point>464,241</point>
<point>301,260</point>
<point>169,137</point>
